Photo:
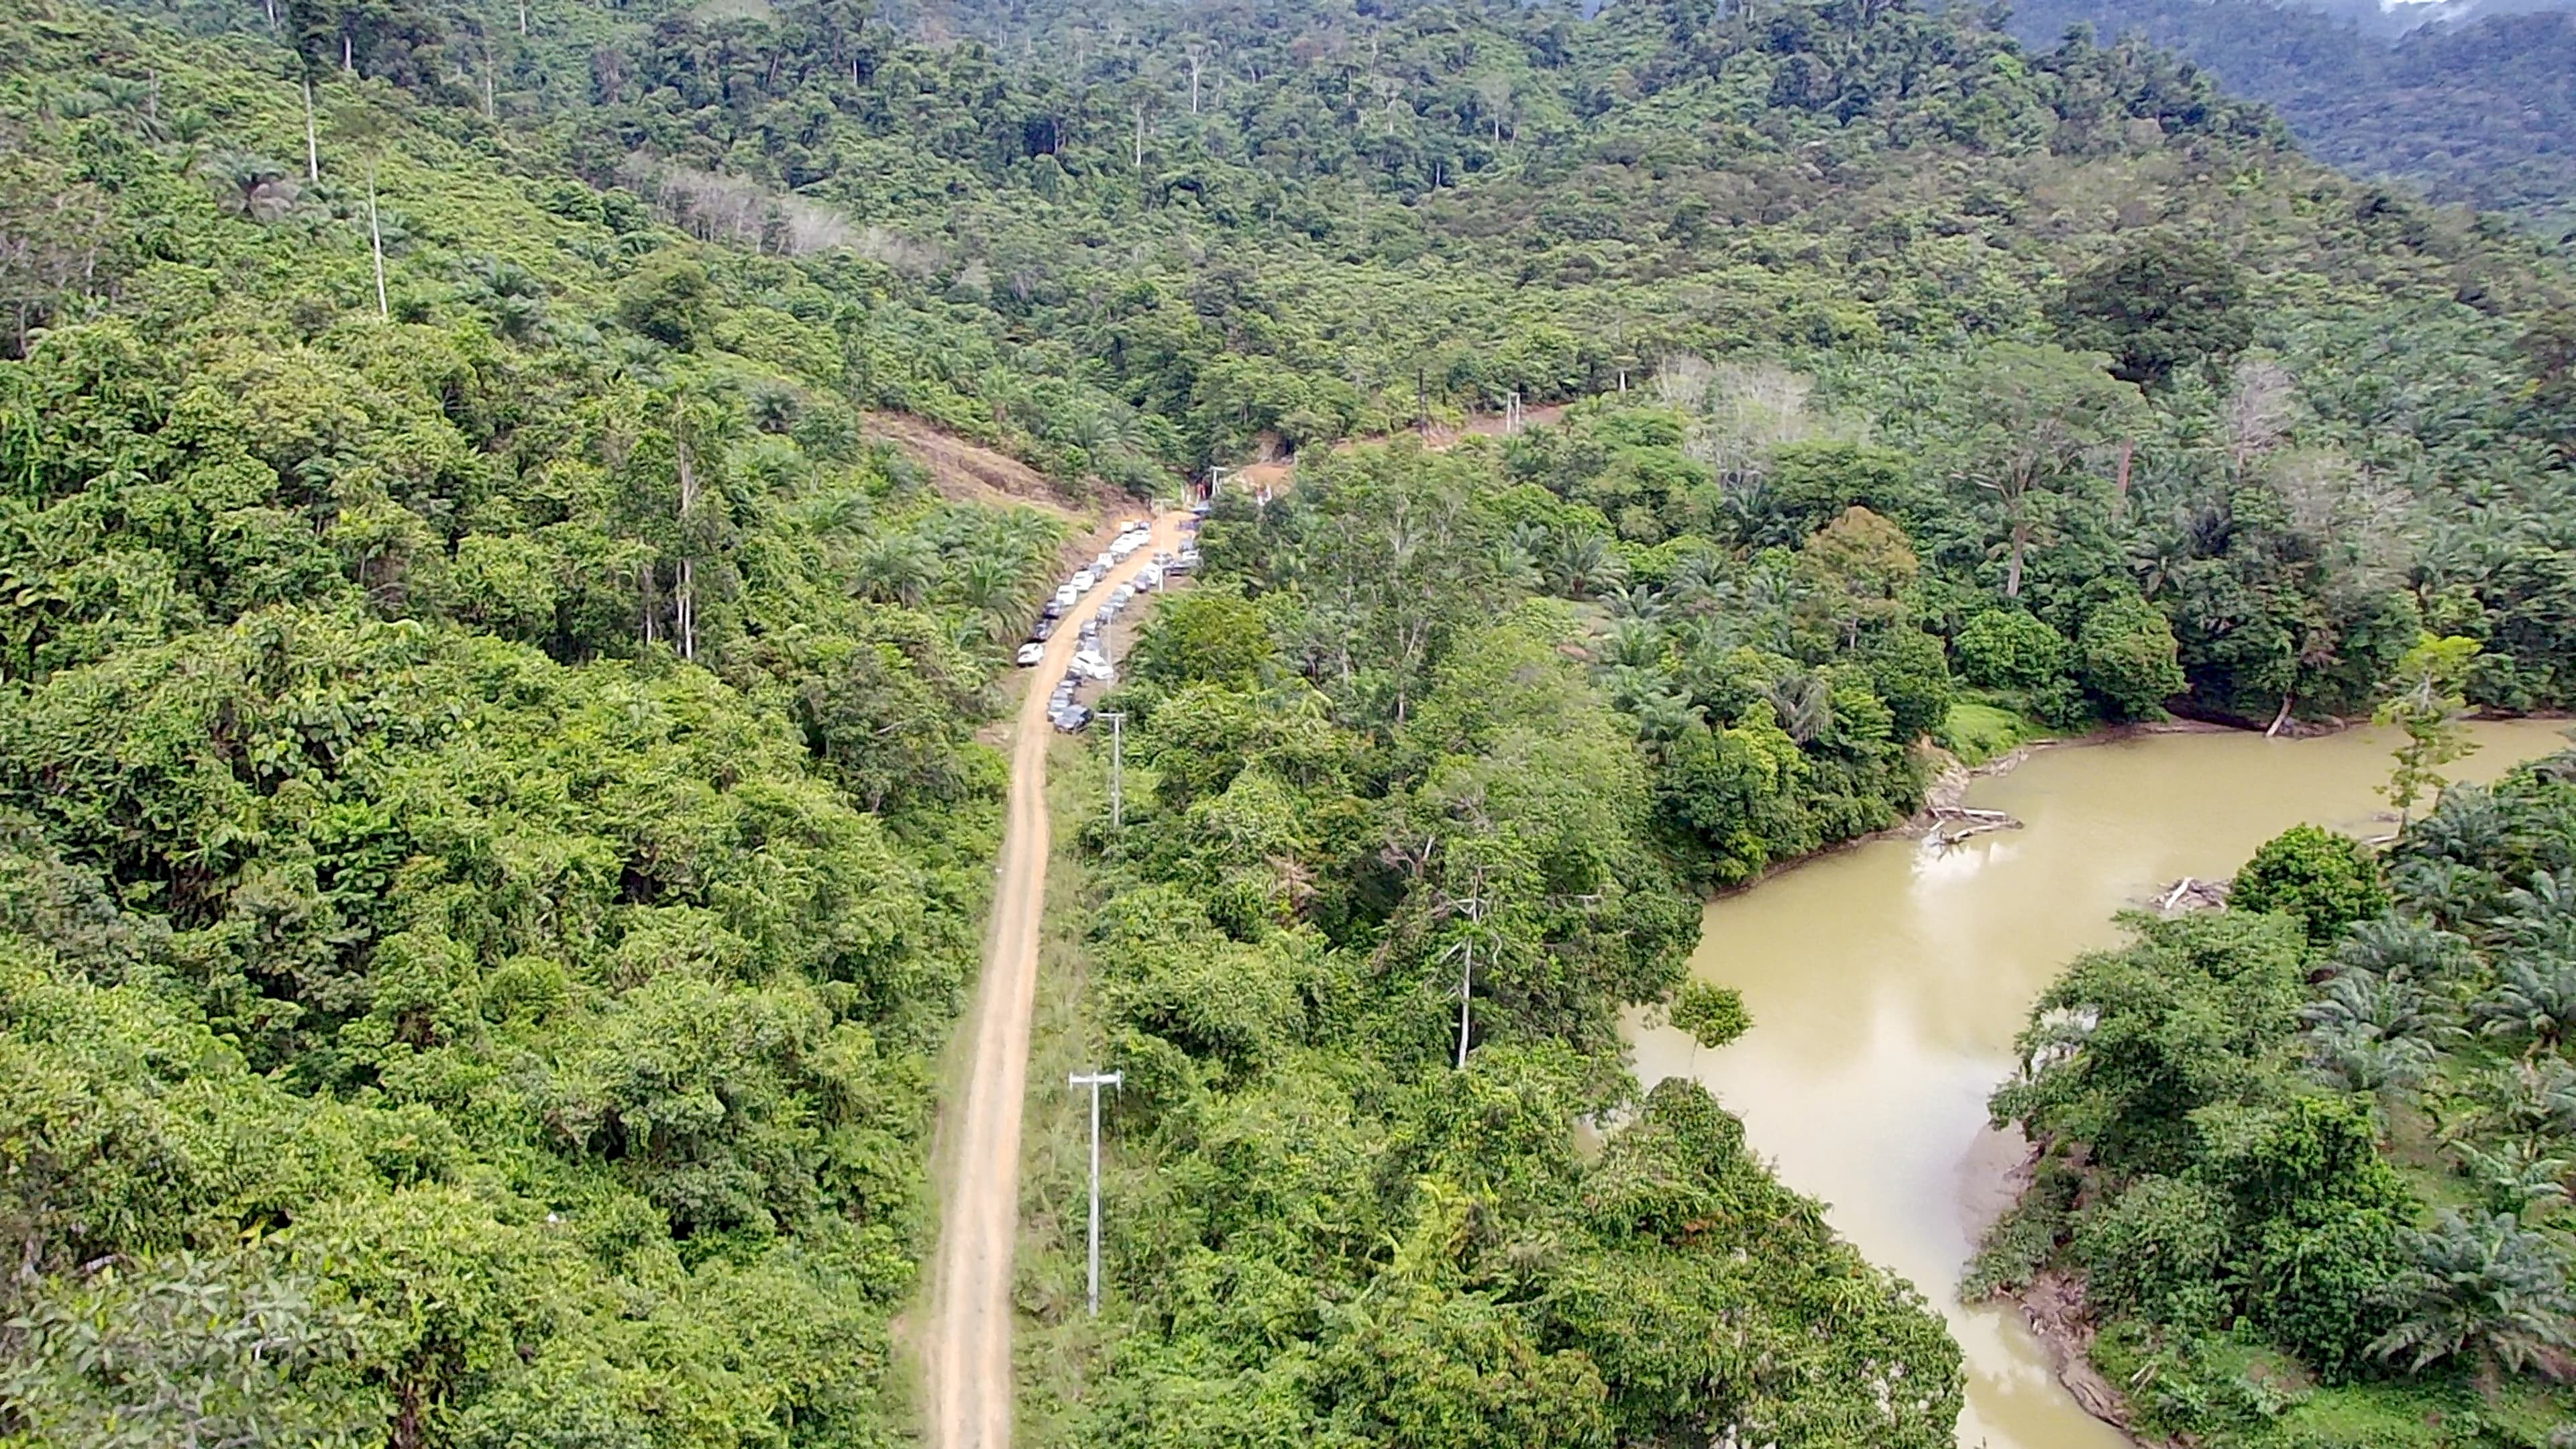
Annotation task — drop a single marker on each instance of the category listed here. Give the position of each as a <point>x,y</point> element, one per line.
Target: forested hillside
<point>486,753</point>
<point>2477,107</point>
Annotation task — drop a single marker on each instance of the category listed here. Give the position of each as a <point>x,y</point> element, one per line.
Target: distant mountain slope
<point>2480,110</point>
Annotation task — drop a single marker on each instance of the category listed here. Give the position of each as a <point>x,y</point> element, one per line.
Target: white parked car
<point>1083,581</point>
<point>1133,525</point>
<point>1125,546</point>
<point>1065,596</point>
<point>1122,594</point>
<point>1031,653</point>
<point>1101,564</point>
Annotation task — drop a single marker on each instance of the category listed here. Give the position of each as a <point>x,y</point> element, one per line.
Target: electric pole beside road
<point>1095,1081</point>
<point>1117,768</point>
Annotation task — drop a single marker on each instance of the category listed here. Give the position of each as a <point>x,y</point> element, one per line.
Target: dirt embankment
<point>967,471</point>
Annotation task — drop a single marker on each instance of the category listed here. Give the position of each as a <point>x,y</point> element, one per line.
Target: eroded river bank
<point>1886,984</point>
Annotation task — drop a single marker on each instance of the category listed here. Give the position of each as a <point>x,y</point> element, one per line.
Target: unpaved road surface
<point>969,1344</point>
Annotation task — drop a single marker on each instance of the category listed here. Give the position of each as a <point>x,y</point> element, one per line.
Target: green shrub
<point>2009,649</point>
<point>2328,881</point>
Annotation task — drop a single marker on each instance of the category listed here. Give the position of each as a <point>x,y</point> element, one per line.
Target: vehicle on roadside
<point>1063,600</point>
<point>1102,564</point>
<point>1149,578</point>
<point>1073,719</point>
<point>1123,594</point>
<point>1188,560</point>
<point>1134,525</point>
<point>1044,628</point>
<point>1031,653</point>
<point>1082,582</point>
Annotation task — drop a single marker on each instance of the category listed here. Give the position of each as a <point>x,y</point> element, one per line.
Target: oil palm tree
<point>2398,948</point>
<point>2518,1176</point>
<point>2534,997</point>
<point>2483,1288</point>
<point>897,569</point>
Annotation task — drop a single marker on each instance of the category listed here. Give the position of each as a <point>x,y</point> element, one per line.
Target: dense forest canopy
<point>2466,103</point>
<point>488,772</point>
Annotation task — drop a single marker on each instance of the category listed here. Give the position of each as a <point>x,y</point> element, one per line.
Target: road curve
<point>968,1352</point>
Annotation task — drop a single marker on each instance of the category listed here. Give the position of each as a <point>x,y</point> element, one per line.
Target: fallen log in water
<point>1952,824</point>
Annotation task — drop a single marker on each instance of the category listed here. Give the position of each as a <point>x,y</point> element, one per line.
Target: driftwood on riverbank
<point>2191,893</point>
<point>1951,824</point>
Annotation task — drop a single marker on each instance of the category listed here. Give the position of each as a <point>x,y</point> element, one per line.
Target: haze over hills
<point>2471,102</point>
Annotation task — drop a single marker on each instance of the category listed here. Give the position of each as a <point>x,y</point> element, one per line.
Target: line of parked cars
<point>1091,663</point>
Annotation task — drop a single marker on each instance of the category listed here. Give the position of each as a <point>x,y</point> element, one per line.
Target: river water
<point>1886,986</point>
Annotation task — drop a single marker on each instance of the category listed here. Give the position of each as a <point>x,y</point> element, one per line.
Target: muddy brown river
<point>1886,985</point>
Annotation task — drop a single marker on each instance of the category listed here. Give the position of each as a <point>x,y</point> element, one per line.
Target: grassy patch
<point>1977,731</point>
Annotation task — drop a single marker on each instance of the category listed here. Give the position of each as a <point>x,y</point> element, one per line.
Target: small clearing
<point>967,471</point>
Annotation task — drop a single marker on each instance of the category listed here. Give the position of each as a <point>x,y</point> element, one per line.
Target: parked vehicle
<point>1062,601</point>
<point>1044,629</point>
<point>1134,525</point>
<point>1073,719</point>
<point>1031,653</point>
<point>1188,560</point>
<point>1123,594</point>
<point>1102,564</point>
<point>1149,578</point>
<point>1082,582</point>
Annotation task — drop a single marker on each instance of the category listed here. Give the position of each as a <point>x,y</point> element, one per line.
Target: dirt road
<point>969,1346</point>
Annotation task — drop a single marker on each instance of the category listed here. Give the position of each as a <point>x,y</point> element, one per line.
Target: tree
<point>2533,997</point>
<point>2127,658</point>
<point>2426,702</point>
<point>2012,649</point>
<point>2550,349</point>
<point>1713,1015</point>
<point>1908,669</point>
<point>1211,635</point>
<point>2327,881</point>
<point>2483,1287</point>
<point>2158,305</point>
<point>2038,409</point>
<point>1859,572</point>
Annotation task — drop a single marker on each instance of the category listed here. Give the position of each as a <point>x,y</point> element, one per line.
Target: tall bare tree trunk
<point>376,244</point>
<point>685,601</point>
<point>312,137</point>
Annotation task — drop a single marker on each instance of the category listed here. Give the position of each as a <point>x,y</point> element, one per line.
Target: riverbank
<point>1951,781</point>
<point>1887,981</point>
